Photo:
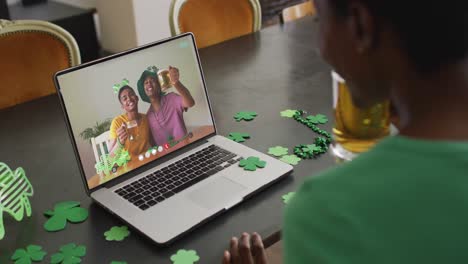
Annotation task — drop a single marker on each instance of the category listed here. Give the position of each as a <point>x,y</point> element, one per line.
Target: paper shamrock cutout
<point>312,148</point>
<point>32,253</point>
<point>104,165</point>
<point>278,151</point>
<point>117,233</point>
<point>185,257</point>
<point>287,197</point>
<point>63,212</point>
<point>238,137</point>
<point>288,113</point>
<point>107,162</point>
<point>153,69</point>
<point>122,157</point>
<point>69,254</point>
<point>247,116</point>
<point>318,119</point>
<point>15,189</point>
<point>116,87</point>
<point>118,262</point>
<point>291,159</point>
<point>251,163</point>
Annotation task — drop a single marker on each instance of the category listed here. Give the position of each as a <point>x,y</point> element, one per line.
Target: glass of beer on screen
<point>356,129</point>
<point>164,79</point>
<point>132,129</point>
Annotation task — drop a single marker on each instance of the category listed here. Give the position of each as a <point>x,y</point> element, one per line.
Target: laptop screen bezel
<point>156,162</point>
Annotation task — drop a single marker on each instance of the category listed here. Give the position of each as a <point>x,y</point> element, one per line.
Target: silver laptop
<point>146,143</point>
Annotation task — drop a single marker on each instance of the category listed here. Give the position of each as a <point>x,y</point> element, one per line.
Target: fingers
<point>258,250</point>
<point>245,249</point>
<point>121,128</point>
<point>122,133</point>
<point>173,72</point>
<point>234,251</point>
<point>226,257</point>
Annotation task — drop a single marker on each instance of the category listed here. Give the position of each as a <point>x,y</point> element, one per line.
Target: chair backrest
<point>298,11</point>
<point>100,142</point>
<point>31,52</point>
<point>215,21</point>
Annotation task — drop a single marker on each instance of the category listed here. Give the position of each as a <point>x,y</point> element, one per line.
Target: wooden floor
<point>275,253</point>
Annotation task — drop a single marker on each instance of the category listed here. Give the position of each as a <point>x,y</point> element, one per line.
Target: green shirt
<point>405,201</point>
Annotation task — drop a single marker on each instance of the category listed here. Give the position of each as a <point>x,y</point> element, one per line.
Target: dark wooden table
<point>266,72</point>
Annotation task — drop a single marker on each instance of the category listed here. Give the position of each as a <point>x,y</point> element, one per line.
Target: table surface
<point>267,72</point>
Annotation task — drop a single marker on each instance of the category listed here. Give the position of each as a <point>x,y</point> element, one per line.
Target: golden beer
<point>164,79</point>
<point>132,129</point>
<point>356,130</point>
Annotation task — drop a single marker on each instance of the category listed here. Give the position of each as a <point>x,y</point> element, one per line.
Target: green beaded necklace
<point>321,143</point>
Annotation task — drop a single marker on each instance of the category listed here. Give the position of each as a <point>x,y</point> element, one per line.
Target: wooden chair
<point>297,11</point>
<point>31,52</point>
<point>214,21</point>
<point>100,145</point>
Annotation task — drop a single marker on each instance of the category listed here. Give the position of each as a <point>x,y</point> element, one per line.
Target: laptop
<point>146,143</point>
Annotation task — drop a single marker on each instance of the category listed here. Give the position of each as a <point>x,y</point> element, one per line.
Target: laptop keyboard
<point>164,183</point>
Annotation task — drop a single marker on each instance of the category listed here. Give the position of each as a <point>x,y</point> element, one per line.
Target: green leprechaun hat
<point>150,71</point>
<point>118,86</point>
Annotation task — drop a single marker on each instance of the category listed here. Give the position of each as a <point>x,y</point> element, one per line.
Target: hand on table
<point>246,250</point>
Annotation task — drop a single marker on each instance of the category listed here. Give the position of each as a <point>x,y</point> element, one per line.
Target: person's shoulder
<point>338,188</point>
<point>172,96</point>
<point>150,110</point>
<point>118,120</point>
<point>324,211</point>
<point>115,124</point>
<point>174,100</point>
<point>122,116</point>
<point>358,179</point>
<point>327,181</point>
<point>143,117</point>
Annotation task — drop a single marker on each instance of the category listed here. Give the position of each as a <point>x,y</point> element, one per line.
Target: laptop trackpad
<point>219,193</point>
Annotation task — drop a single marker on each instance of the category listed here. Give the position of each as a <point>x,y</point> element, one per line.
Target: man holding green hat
<point>165,115</point>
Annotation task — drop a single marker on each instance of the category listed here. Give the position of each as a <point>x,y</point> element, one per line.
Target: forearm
<point>187,98</point>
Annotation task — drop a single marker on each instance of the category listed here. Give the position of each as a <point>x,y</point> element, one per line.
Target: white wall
<point>126,24</point>
<point>89,96</point>
<point>117,25</point>
<point>151,20</point>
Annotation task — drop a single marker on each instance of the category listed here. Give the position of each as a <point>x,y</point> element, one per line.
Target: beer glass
<point>132,129</point>
<point>356,129</point>
<point>164,79</point>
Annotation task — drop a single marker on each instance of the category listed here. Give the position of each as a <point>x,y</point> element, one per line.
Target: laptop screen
<point>130,110</point>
